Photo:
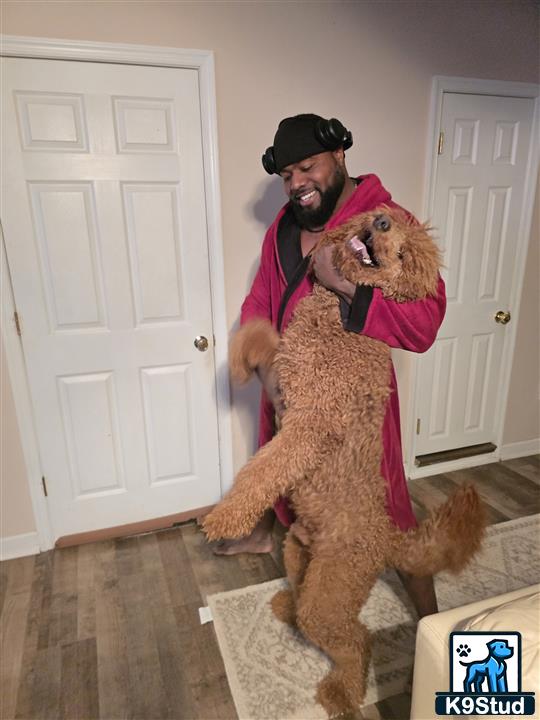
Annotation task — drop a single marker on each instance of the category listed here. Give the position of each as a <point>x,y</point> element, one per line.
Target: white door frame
<point>203,62</point>
<point>478,87</point>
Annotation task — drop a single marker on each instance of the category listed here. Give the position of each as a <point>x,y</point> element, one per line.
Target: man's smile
<point>314,201</point>
<point>306,199</point>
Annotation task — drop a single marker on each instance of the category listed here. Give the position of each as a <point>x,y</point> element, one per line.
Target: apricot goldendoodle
<point>326,458</point>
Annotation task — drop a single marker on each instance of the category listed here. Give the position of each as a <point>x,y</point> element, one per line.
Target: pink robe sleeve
<point>408,325</point>
<point>258,300</point>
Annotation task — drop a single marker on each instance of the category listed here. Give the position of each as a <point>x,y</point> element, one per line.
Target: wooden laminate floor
<point>111,630</point>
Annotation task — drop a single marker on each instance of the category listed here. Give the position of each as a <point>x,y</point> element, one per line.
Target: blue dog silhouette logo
<point>491,670</point>
<point>482,662</point>
<point>485,676</point>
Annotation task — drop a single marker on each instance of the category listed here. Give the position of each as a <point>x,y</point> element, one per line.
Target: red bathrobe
<point>409,326</point>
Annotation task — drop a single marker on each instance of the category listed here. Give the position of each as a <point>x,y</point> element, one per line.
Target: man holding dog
<point>309,155</point>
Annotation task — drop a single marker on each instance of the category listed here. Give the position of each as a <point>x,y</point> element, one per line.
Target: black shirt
<point>295,267</point>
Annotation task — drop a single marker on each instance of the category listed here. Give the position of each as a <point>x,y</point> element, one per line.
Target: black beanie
<point>295,140</point>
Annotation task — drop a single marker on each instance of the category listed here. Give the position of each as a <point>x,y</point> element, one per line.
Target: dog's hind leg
<point>296,558</point>
<point>344,688</point>
<point>327,614</point>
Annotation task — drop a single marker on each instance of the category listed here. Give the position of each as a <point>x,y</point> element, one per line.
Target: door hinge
<point>441,143</point>
<point>17,323</point>
<point>44,483</point>
<point>418,426</point>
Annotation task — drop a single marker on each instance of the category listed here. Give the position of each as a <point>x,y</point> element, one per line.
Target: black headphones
<point>331,134</point>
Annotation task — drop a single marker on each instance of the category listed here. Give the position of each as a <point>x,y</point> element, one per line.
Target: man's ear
<point>339,155</point>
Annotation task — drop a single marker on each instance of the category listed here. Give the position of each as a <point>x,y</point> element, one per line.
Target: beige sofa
<point>514,611</point>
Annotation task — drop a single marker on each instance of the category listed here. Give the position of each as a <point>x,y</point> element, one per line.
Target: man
<point>309,155</point>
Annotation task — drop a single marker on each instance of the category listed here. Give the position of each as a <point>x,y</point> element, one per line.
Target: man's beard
<point>315,218</point>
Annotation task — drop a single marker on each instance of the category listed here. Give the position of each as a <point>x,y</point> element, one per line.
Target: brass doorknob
<point>502,317</point>
<point>201,343</point>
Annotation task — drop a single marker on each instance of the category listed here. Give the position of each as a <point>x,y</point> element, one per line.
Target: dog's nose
<point>382,222</point>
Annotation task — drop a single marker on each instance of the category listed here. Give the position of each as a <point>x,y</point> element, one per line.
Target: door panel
<point>105,226</point>
<point>479,196</point>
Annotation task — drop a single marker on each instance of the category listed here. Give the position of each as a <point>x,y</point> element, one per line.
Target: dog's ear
<point>420,261</point>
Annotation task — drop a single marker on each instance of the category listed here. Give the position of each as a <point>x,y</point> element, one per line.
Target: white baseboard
<point>451,465</point>
<point>17,546</point>
<point>506,452</point>
<point>520,449</point>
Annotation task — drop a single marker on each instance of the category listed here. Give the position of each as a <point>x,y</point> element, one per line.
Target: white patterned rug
<point>273,671</point>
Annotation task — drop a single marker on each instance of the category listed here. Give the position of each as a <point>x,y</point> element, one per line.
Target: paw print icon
<point>463,650</point>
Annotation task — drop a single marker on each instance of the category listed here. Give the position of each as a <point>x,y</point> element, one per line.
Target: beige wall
<point>522,421</point>
<point>16,515</point>
<point>368,63</point>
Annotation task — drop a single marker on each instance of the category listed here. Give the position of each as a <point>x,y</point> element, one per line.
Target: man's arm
<point>411,325</point>
<point>257,302</point>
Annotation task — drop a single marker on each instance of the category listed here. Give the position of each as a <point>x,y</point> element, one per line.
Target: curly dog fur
<point>327,455</point>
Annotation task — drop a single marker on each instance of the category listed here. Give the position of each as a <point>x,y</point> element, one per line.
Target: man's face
<point>314,187</point>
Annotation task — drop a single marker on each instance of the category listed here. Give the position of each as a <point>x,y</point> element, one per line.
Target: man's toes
<point>248,545</point>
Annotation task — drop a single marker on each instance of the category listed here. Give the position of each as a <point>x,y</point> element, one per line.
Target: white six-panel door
<point>103,212</point>
<point>479,198</point>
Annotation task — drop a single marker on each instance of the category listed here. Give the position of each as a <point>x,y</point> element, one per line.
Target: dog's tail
<point>447,540</point>
<point>253,346</point>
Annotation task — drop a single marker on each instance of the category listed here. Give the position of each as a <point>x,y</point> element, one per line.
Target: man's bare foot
<point>250,544</point>
<point>260,540</point>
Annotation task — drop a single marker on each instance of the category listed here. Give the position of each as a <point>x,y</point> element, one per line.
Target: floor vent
<point>458,453</point>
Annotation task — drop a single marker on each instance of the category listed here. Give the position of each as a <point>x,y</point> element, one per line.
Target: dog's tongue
<point>359,249</point>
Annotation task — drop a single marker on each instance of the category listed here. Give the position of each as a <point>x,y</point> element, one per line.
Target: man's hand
<point>269,382</point>
<point>327,275</point>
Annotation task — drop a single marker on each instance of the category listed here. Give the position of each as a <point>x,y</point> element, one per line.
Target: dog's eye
<point>400,254</point>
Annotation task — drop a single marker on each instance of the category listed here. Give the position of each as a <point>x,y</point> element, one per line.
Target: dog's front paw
<point>221,523</point>
<point>228,520</point>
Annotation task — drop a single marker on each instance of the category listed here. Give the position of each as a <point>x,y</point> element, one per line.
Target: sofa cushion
<point>521,615</point>
<point>431,673</point>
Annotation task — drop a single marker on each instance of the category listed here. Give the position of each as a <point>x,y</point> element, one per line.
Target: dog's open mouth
<point>362,247</point>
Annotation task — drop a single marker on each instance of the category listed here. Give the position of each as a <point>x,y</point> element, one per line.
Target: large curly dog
<point>326,457</point>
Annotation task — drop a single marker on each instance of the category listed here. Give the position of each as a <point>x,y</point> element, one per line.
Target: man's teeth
<point>307,196</point>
